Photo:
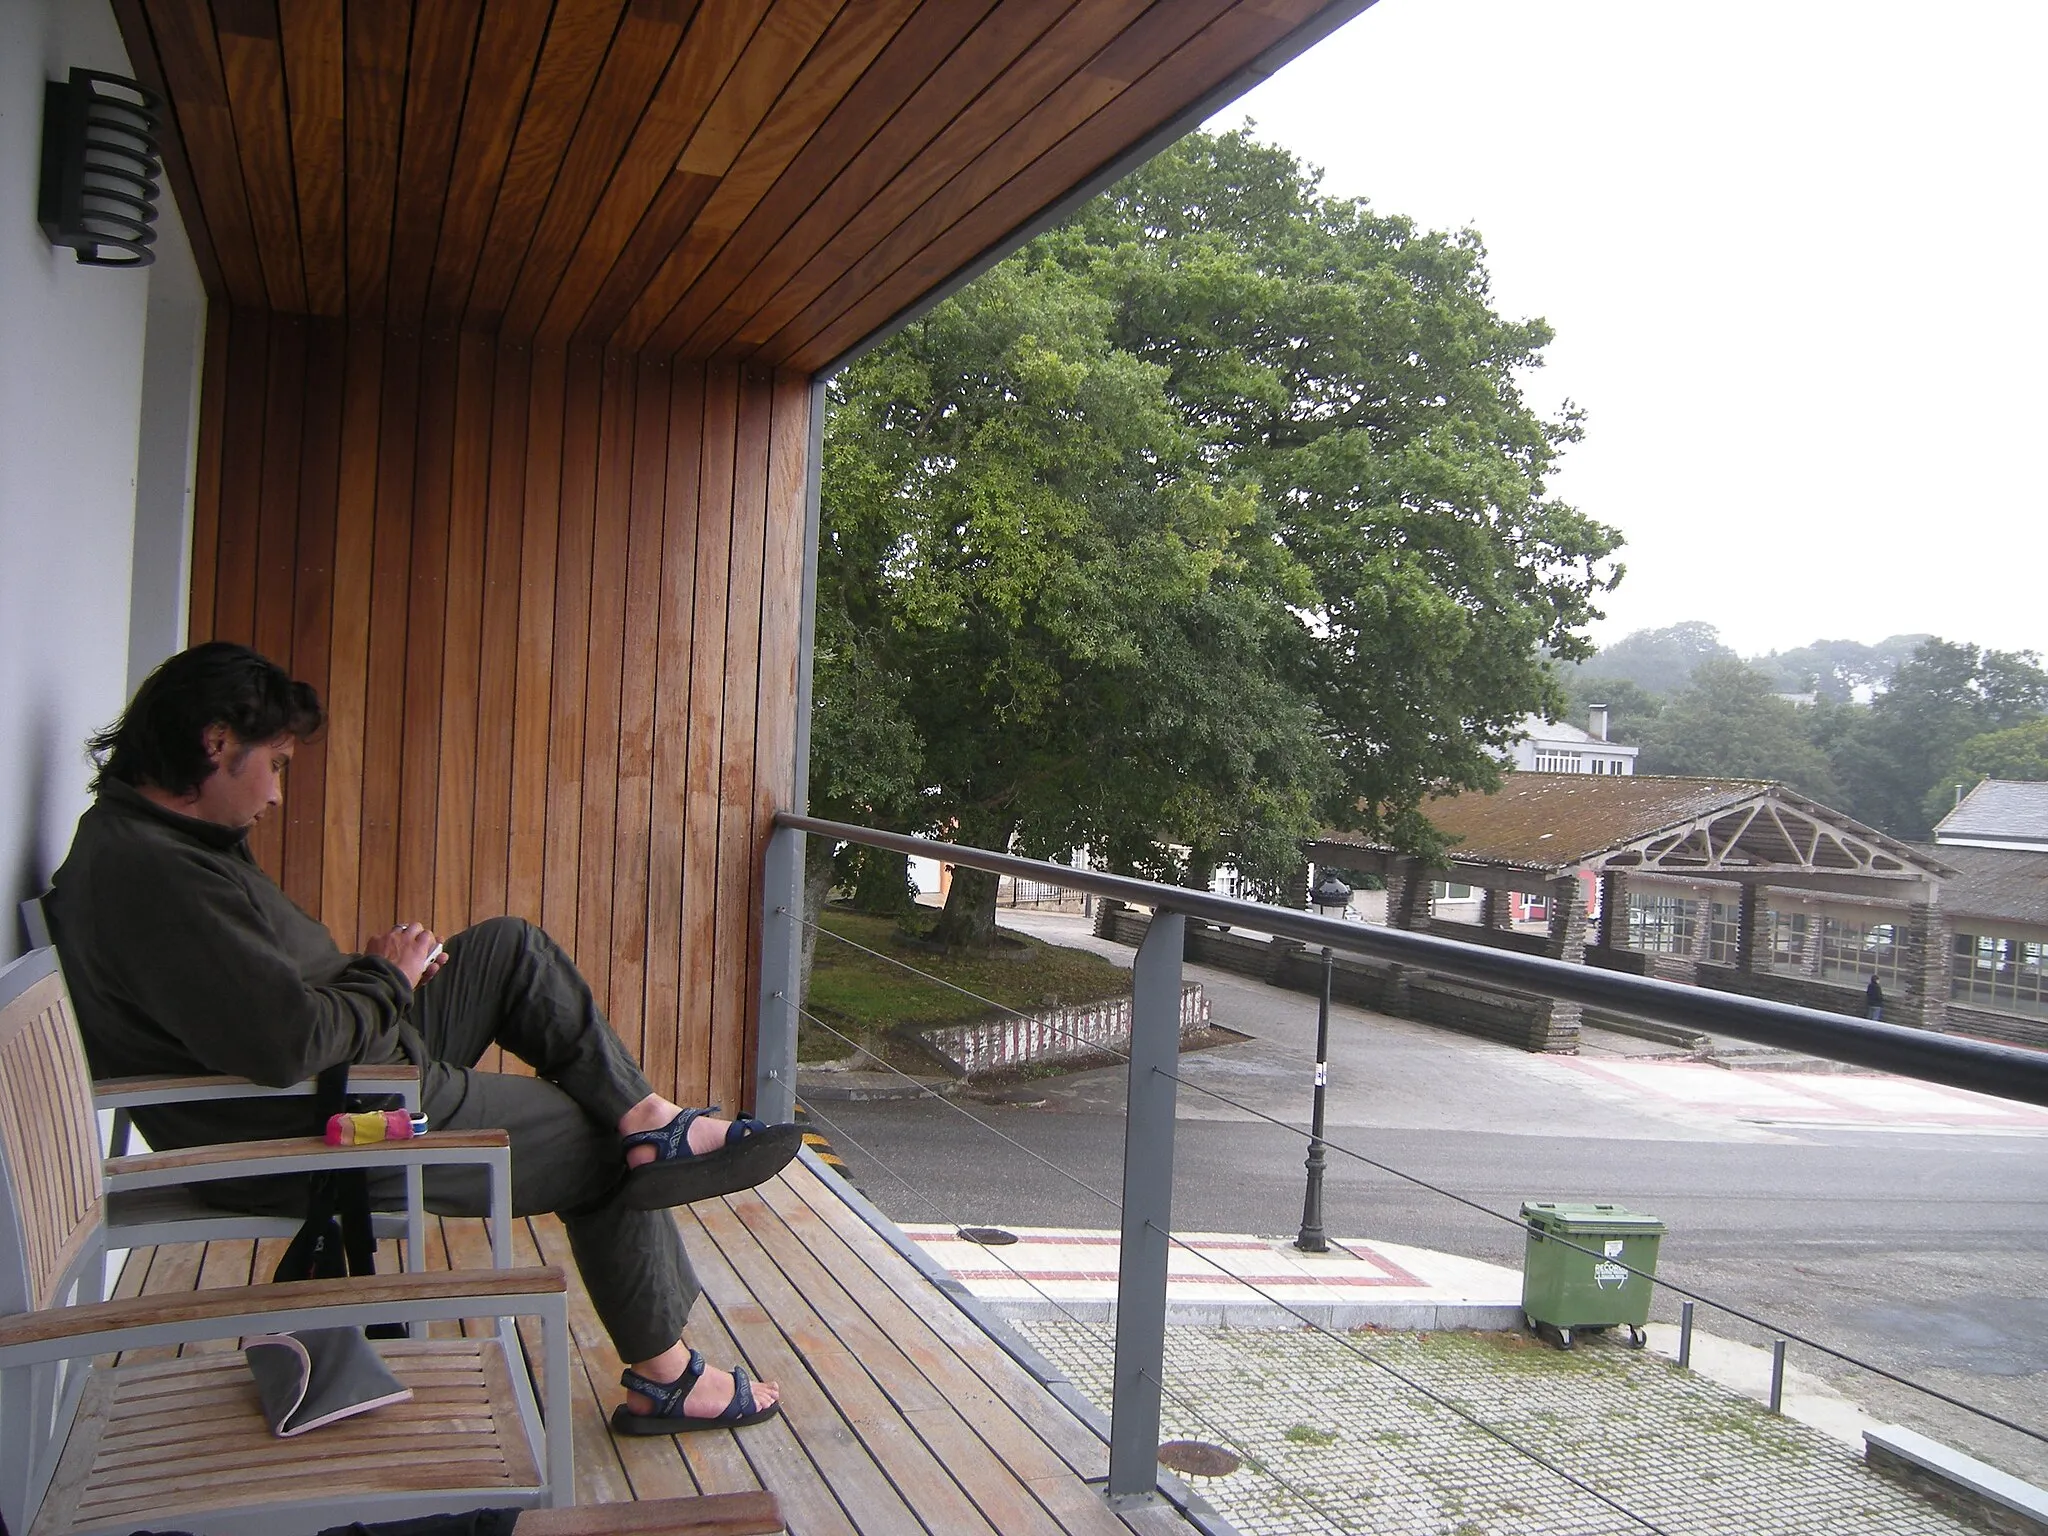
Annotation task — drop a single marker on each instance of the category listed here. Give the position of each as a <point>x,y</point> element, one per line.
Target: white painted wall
<point>73,385</point>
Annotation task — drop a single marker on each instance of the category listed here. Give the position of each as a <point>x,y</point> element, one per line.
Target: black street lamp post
<point>1312,1239</point>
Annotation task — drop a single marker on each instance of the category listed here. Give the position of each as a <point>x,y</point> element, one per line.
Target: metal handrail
<point>2006,1071</point>
<point>2011,1072</point>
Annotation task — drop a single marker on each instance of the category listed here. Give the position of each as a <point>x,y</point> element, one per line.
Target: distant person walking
<point>1873,1000</point>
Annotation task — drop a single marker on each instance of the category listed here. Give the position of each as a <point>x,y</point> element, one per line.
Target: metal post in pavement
<point>1140,1368</point>
<point>1312,1239</point>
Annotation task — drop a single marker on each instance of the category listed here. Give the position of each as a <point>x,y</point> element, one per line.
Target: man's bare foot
<point>707,1134</point>
<point>712,1392</point>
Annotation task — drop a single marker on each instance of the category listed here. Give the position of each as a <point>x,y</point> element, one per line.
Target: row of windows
<point>2005,974</point>
<point>1831,947</point>
<point>1998,973</point>
<point>1576,762</point>
<point>1668,925</point>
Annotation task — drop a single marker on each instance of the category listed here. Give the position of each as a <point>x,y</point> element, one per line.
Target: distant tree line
<point>1893,732</point>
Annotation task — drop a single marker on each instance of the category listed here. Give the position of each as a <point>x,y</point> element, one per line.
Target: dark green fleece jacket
<point>184,957</point>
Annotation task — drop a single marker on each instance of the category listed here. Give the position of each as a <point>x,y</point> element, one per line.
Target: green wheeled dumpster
<point>1596,1278</point>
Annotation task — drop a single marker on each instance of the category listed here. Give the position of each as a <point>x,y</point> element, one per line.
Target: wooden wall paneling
<point>426,635</point>
<point>716,97</point>
<point>638,59</point>
<point>539,528</point>
<point>731,1006</point>
<point>641,660</point>
<point>669,803</point>
<point>314,52</point>
<point>603,675</point>
<point>383,727</point>
<point>313,602</point>
<point>355,528</point>
<point>921,174</point>
<point>782,583</point>
<point>1125,116</point>
<point>634,197</point>
<point>437,76</point>
<point>252,60</point>
<point>277,529</point>
<point>206,473</point>
<point>560,889</point>
<point>234,596</point>
<point>190,60</point>
<point>936,63</point>
<point>707,719</point>
<point>462,650</point>
<point>579,32</point>
<point>379,35</point>
<point>132,17</point>
<point>277,511</point>
<point>498,645</point>
<point>507,49</point>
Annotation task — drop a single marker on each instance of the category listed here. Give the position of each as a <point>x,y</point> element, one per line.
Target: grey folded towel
<point>318,1375</point>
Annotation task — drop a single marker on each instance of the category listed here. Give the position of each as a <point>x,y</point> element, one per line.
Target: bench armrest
<point>310,1154</point>
<point>142,1322</point>
<point>402,1079</point>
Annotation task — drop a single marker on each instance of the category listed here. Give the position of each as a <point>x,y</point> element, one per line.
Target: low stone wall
<point>1493,1013</point>
<point>1056,1034</point>
<point>2006,1028</point>
<point>1801,991</point>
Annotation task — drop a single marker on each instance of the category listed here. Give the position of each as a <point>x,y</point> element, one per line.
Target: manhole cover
<point>988,1237</point>
<point>1197,1458</point>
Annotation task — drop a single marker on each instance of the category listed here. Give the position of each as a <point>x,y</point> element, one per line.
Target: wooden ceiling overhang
<point>763,181</point>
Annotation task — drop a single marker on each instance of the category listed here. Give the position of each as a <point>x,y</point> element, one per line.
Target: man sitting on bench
<point>184,957</point>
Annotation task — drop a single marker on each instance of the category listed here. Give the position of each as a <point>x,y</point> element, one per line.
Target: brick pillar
<point>1567,937</point>
<point>1747,911</point>
<point>1497,908</point>
<point>1921,995</point>
<point>1613,910</point>
<point>1809,958</point>
<point>1408,882</point>
<point>1295,893</point>
<point>1559,1024</point>
<point>1702,929</point>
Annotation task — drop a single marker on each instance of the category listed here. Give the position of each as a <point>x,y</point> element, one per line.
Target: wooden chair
<point>143,1217</point>
<point>90,1448</point>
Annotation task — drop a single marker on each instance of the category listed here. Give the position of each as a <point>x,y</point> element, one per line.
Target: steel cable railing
<point>1450,1405</point>
<point>1180,1400</point>
<point>1727,1308</point>
<point>2003,1071</point>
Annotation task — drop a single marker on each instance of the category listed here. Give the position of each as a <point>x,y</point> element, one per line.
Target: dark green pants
<point>507,983</point>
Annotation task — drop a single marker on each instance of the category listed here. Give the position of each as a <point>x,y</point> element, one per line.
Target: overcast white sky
<point>1793,252</point>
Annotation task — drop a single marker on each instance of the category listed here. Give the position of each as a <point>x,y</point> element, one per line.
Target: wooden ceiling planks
<point>757,181</point>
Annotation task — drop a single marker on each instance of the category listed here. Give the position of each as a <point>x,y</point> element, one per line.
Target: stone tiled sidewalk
<point>1334,1443</point>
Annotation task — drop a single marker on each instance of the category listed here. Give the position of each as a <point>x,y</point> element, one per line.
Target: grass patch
<point>1308,1434</point>
<point>874,1001</point>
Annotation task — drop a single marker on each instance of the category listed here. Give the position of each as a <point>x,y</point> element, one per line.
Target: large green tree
<point>1353,369</point>
<point>1212,517</point>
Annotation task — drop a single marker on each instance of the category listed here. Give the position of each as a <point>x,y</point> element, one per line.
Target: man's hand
<point>411,947</point>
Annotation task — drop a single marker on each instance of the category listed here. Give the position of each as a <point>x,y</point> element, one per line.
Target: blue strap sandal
<point>668,1417</point>
<point>753,1152</point>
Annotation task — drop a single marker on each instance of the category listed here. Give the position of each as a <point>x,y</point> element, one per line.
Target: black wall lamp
<point>100,167</point>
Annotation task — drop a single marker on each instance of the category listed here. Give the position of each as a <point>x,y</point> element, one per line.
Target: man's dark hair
<point>160,738</point>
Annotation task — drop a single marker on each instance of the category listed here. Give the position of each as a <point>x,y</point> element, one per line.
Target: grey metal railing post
<point>1148,1212</point>
<point>782,907</point>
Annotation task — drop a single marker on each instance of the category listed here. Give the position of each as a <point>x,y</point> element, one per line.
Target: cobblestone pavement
<point>1332,1443</point>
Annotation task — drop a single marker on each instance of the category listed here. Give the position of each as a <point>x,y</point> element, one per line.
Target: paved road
<point>1792,1196</point>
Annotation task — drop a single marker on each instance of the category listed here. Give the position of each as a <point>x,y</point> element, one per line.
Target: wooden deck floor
<point>900,1415</point>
